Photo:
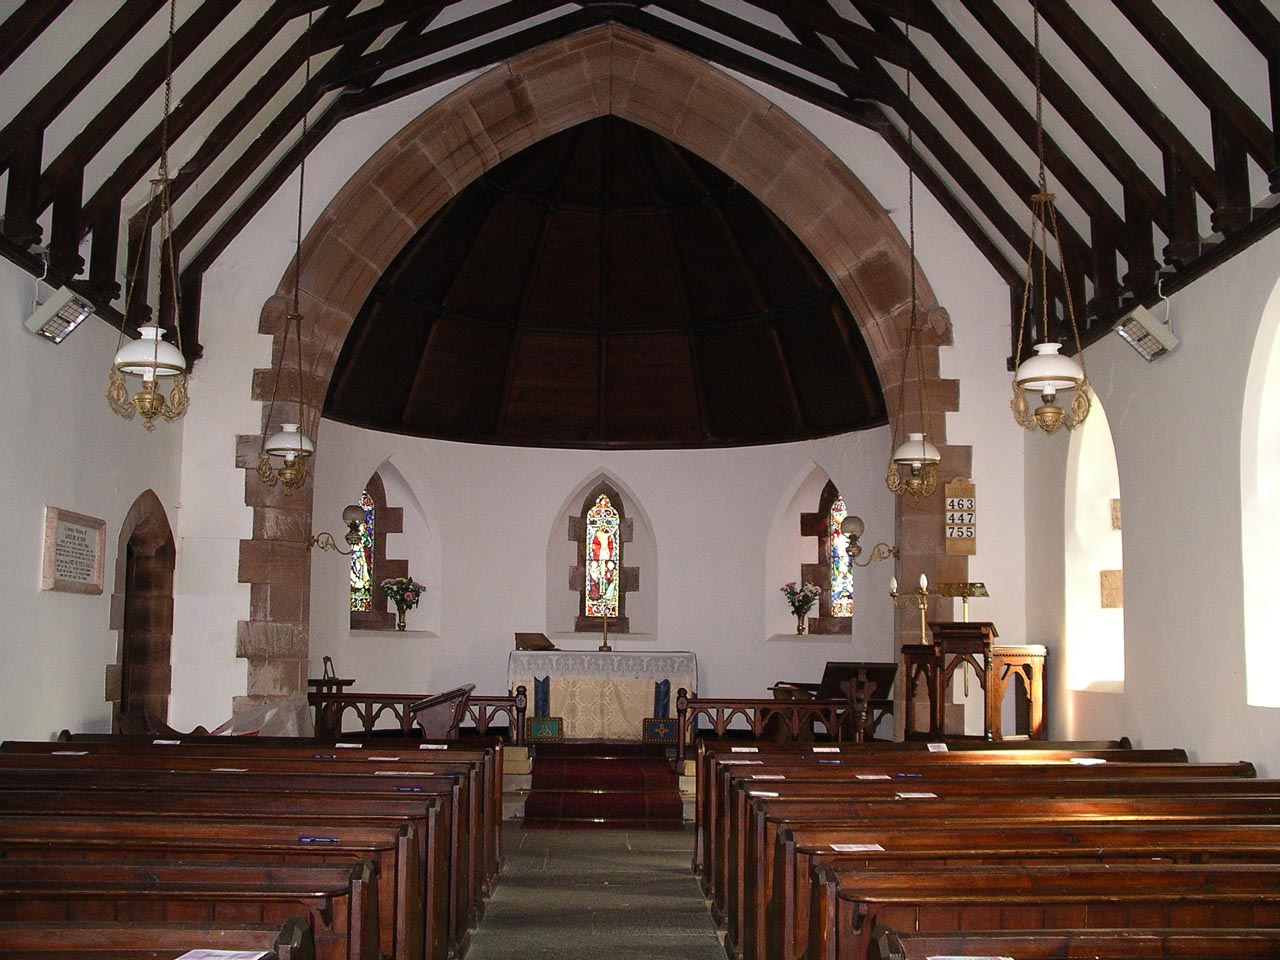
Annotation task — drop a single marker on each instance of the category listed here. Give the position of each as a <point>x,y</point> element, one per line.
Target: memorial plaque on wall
<point>961,518</point>
<point>74,545</point>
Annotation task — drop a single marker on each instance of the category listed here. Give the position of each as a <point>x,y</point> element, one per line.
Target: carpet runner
<point>610,786</point>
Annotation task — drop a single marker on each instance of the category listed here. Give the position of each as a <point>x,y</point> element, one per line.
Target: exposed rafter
<point>840,55</point>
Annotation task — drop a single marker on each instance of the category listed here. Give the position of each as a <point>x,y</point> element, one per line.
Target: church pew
<point>904,770</point>
<point>784,901</point>
<point>485,752</point>
<point>747,849</point>
<point>136,940</point>
<point>340,900</point>
<point>392,849</point>
<point>466,858</point>
<point>711,759</point>
<point>1185,944</point>
<point>442,936</point>
<point>1079,897</point>
<point>768,815</point>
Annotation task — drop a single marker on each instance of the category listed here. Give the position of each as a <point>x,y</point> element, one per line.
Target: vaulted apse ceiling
<point>606,288</point>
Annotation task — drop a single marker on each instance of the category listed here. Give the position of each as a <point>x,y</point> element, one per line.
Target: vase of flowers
<point>802,599</point>
<point>404,592</point>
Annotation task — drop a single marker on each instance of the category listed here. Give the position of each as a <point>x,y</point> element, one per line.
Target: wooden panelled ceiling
<point>1160,115</point>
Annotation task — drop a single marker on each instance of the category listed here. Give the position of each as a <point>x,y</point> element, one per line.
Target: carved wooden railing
<point>793,717</point>
<point>482,711</point>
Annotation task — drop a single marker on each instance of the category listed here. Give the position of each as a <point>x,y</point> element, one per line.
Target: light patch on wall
<point>1112,589</point>
<point>1094,643</point>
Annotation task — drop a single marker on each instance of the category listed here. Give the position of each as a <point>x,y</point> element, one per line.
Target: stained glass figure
<point>604,559</point>
<point>841,567</point>
<point>362,559</point>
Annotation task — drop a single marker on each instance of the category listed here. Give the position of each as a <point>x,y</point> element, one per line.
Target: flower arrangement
<point>801,598</point>
<point>404,592</point>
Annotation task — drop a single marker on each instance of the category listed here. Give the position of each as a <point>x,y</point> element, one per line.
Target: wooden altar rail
<point>794,716</point>
<point>482,711</point>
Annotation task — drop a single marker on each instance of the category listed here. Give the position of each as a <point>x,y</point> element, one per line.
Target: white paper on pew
<point>167,743</point>
<point>225,955</point>
<point>937,748</point>
<point>1088,761</point>
<point>826,749</point>
<point>737,763</point>
<point>349,746</point>
<point>403,773</point>
<point>229,770</point>
<point>744,749</point>
<point>69,753</point>
<point>856,847</point>
<point>761,793</point>
<point>433,746</point>
<point>872,776</point>
<point>921,795</point>
<point>768,776</point>
<point>384,759</point>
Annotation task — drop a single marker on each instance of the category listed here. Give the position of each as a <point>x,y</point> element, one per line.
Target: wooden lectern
<point>956,644</point>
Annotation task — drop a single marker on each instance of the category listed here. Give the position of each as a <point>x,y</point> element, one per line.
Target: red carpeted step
<point>615,786</point>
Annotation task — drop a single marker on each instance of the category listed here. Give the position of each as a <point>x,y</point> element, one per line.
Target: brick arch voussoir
<point>539,92</point>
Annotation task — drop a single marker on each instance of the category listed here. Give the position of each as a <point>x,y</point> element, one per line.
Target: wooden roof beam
<point>1235,116</point>
<point>825,21</point>
<point>24,25</point>
<point>1129,94</point>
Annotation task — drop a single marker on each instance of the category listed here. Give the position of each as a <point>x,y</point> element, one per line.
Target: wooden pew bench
<point>1190,944</point>
<point>158,767</point>
<point>957,814</point>
<point>1078,897</point>
<point>486,756</point>
<point>440,935</point>
<point>850,780</point>
<point>392,849</point>
<point>101,940</point>
<point>711,794</point>
<point>784,900</point>
<point>339,901</point>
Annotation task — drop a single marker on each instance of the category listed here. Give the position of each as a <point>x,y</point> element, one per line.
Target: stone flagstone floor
<point>588,894</point>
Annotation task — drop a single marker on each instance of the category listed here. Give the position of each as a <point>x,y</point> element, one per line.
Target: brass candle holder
<point>920,596</point>
<point>604,646</point>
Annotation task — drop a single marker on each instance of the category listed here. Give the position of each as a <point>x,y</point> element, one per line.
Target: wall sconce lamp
<point>352,516</point>
<point>853,528</point>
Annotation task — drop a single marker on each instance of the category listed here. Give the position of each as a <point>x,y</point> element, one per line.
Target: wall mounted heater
<point>59,315</point>
<point>1151,338</point>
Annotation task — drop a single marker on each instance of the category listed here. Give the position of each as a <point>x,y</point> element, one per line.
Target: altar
<point>600,695</point>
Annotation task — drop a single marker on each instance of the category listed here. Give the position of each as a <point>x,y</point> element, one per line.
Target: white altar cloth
<point>602,695</point>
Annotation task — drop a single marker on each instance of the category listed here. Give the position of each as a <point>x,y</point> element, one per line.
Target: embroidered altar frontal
<point>602,696</point>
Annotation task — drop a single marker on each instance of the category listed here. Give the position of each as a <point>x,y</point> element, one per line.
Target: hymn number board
<point>962,518</point>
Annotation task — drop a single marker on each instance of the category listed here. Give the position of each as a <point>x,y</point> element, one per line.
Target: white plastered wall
<point>61,446</point>
<point>1176,424</point>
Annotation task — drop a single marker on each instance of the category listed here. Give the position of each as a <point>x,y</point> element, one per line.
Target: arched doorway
<point>142,613</point>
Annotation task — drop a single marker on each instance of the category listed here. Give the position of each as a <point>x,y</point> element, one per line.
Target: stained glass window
<point>603,559</point>
<point>362,559</point>
<point>841,568</point>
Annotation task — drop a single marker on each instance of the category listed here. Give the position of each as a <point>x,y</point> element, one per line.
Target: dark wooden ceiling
<point>605,287</point>
<point>1160,121</point>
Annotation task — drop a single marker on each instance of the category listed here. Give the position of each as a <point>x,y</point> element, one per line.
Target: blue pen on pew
<point>407,789</point>
<point>319,840</point>
<point>324,756</point>
<point>828,761</point>
<point>908,774</point>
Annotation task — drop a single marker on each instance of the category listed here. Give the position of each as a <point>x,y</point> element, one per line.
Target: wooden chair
<point>439,716</point>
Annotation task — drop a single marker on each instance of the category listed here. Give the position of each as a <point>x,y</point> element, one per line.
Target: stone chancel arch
<point>608,69</point>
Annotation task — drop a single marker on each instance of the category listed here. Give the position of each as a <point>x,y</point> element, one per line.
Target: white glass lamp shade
<point>149,357</point>
<point>289,442</point>
<point>1048,371</point>
<point>916,451</point>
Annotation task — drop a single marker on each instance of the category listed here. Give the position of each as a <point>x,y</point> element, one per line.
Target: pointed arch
<point>142,612</point>
<point>606,69</point>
